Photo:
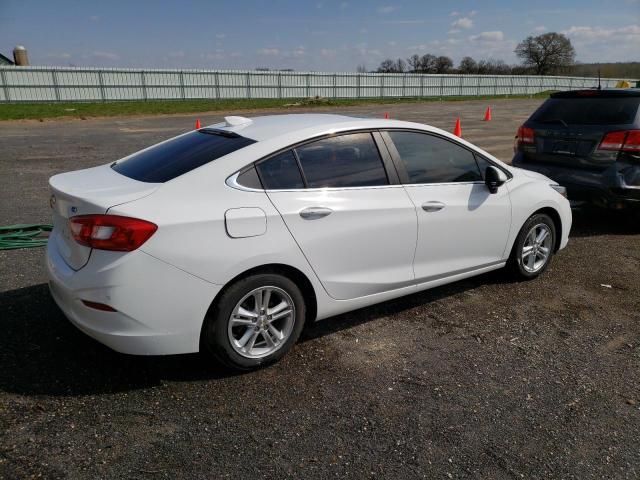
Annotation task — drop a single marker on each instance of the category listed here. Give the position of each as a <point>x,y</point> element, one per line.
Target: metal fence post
<point>404,85</point>
<point>216,79</point>
<point>460,85</point>
<point>181,85</point>
<point>477,85</point>
<point>421,86</point>
<point>5,87</point>
<point>56,88</point>
<point>248,84</point>
<point>308,89</point>
<point>382,85</point>
<point>279,84</point>
<point>144,85</point>
<point>441,86</point>
<point>103,97</point>
<point>335,87</point>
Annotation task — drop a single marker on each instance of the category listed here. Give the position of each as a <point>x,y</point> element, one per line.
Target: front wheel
<point>533,248</point>
<point>255,322</point>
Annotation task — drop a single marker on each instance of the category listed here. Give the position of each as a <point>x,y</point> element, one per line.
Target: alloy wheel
<point>261,322</point>
<point>537,248</point>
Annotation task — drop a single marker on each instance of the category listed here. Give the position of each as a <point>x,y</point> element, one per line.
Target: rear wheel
<point>533,248</point>
<point>255,322</point>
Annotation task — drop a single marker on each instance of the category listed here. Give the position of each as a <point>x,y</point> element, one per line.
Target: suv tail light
<point>111,232</point>
<point>622,140</point>
<point>525,135</point>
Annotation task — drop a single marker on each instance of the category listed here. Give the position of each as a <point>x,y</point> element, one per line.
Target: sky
<point>319,35</point>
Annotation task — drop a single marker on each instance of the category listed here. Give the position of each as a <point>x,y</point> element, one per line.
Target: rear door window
<point>588,111</point>
<point>431,159</point>
<point>280,172</point>
<point>350,160</point>
<point>180,155</point>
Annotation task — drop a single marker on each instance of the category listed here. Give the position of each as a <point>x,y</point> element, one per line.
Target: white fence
<point>61,84</point>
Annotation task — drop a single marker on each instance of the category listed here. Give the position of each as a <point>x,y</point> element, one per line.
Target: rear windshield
<point>588,111</point>
<point>180,155</point>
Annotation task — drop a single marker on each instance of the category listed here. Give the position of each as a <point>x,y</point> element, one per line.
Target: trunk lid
<point>84,192</point>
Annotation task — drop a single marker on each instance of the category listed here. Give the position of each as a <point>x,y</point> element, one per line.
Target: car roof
<point>271,126</point>
<point>596,93</point>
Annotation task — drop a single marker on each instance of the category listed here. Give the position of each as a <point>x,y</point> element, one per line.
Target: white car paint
<point>377,243</point>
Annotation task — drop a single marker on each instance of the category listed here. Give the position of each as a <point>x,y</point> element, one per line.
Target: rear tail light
<point>525,135</point>
<point>111,232</point>
<point>623,140</point>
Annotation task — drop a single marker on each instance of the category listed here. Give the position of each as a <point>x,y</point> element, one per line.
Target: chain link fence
<point>71,84</point>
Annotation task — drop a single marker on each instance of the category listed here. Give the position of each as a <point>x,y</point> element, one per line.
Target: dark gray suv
<point>589,142</point>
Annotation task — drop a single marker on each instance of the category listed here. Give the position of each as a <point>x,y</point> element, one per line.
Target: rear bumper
<point>608,188</point>
<point>160,308</point>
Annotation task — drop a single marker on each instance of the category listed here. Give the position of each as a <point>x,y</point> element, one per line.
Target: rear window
<point>588,111</point>
<point>180,155</point>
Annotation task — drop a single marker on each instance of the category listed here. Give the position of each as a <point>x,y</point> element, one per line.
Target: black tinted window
<point>249,179</point>
<point>349,160</point>
<point>280,172</point>
<point>431,159</point>
<point>482,164</point>
<point>588,111</point>
<point>179,155</point>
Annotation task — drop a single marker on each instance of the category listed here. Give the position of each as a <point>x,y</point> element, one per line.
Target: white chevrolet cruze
<point>230,237</point>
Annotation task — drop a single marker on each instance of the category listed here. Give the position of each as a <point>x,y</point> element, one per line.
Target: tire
<point>524,268</point>
<point>223,336</point>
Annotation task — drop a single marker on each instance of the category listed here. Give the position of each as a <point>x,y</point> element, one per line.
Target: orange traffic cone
<point>487,114</point>
<point>197,124</point>
<point>386,114</point>
<point>457,131</point>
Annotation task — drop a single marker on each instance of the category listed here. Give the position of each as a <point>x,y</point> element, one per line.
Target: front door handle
<point>314,213</point>
<point>432,206</point>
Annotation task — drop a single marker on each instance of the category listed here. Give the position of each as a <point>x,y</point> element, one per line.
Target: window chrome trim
<point>232,180</point>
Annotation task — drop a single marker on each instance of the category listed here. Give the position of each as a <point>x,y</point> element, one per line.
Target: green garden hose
<point>24,236</point>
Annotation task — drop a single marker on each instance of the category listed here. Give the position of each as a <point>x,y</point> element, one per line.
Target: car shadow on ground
<point>43,353</point>
<point>589,222</point>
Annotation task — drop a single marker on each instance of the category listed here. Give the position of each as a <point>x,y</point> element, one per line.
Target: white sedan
<point>229,238</point>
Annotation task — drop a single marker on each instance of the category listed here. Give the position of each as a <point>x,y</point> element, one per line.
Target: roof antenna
<point>599,85</point>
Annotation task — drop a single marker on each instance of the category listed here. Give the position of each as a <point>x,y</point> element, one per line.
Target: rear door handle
<point>314,213</point>
<point>432,206</point>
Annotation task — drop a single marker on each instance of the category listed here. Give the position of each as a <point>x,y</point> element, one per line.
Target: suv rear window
<point>180,155</point>
<point>588,111</point>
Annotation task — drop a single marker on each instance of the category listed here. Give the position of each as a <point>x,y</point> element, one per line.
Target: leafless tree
<point>468,65</point>
<point>443,64</point>
<point>546,53</point>
<point>428,63</point>
<point>415,63</point>
<point>392,66</point>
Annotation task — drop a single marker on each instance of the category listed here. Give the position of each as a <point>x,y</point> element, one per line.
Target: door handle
<point>432,206</point>
<point>314,213</point>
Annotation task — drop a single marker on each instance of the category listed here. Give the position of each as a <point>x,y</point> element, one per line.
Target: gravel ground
<point>483,378</point>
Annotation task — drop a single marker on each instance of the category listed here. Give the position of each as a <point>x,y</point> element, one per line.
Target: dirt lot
<point>479,379</point>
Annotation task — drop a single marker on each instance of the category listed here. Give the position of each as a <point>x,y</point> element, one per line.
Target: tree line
<point>547,54</point>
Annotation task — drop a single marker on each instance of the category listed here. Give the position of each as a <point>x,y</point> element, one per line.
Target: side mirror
<point>494,178</point>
